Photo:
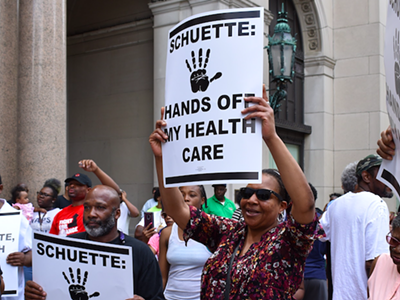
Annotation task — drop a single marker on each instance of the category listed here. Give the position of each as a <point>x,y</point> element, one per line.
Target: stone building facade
<point>85,79</point>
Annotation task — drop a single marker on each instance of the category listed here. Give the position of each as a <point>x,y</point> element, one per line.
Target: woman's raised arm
<point>292,176</point>
<point>172,199</point>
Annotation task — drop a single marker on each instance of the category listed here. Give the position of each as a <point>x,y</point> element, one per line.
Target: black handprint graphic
<point>397,77</point>
<point>396,50</point>
<point>199,79</point>
<point>77,291</point>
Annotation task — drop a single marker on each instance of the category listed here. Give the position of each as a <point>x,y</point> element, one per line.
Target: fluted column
<point>42,92</point>
<point>8,93</point>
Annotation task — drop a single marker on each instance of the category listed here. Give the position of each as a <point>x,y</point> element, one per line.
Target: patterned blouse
<point>271,269</point>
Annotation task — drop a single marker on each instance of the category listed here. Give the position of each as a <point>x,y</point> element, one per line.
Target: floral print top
<point>271,269</point>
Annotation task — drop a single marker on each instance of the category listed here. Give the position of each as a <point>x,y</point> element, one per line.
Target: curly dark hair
<point>53,189</point>
<point>16,192</point>
<point>282,190</point>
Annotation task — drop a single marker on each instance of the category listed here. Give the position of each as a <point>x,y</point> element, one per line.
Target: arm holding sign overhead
<point>173,202</point>
<point>386,144</point>
<point>292,176</point>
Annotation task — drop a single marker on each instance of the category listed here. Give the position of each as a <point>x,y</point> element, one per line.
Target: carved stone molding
<point>310,25</point>
<point>320,61</point>
<point>319,66</point>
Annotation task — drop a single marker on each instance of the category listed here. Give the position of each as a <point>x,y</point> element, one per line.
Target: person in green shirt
<point>218,204</point>
<point>157,197</point>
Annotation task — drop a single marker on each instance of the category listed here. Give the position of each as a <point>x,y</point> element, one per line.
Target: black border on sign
<point>78,244</point>
<point>212,176</point>
<point>216,17</point>
<point>9,213</point>
<point>389,177</point>
<point>10,292</point>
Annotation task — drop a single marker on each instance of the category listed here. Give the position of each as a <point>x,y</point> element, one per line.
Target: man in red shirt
<point>70,219</point>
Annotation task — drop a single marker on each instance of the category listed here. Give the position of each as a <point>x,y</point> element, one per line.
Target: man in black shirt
<point>101,212</point>
<point>63,200</point>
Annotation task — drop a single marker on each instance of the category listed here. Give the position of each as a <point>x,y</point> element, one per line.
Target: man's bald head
<point>101,212</point>
<point>106,193</point>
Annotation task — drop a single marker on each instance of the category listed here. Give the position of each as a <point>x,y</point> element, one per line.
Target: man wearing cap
<point>70,219</point>
<point>356,224</point>
<point>218,204</point>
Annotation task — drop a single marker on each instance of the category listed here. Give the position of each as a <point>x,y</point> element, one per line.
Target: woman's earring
<point>280,217</point>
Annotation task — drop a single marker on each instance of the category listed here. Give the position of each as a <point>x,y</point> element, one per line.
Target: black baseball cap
<point>82,178</point>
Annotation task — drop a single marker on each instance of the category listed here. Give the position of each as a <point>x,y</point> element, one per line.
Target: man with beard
<point>356,224</point>
<point>101,212</point>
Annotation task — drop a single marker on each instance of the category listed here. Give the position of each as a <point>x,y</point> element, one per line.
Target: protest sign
<point>389,172</point>
<point>69,268</point>
<point>214,60</point>
<point>9,238</point>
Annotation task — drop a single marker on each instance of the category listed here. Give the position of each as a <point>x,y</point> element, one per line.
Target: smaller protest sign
<point>9,238</point>
<point>69,268</point>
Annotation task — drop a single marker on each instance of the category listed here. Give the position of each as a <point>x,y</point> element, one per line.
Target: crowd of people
<point>275,245</point>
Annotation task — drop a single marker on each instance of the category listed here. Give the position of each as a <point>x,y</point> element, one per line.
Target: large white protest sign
<point>69,268</point>
<point>214,60</point>
<point>9,238</point>
<point>389,172</point>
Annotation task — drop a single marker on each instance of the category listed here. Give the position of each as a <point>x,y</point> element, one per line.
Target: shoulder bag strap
<point>228,278</point>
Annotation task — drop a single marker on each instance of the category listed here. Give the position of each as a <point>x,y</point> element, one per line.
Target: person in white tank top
<point>181,265</point>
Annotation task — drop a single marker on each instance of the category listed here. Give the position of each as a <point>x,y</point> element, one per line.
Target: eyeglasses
<point>43,194</point>
<point>262,194</point>
<point>392,241</point>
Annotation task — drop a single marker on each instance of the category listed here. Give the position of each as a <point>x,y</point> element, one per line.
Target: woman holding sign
<point>259,258</point>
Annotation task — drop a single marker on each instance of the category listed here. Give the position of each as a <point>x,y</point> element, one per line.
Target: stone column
<point>42,92</point>
<point>8,93</point>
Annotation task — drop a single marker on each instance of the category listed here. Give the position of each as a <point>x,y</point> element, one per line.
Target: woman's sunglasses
<point>392,241</point>
<point>262,194</point>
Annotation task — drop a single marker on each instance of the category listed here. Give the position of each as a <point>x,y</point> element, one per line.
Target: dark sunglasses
<point>262,194</point>
<point>43,194</point>
<point>392,241</point>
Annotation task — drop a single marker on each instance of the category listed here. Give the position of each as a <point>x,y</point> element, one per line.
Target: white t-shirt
<point>124,219</point>
<point>40,223</point>
<point>356,224</point>
<point>25,244</point>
